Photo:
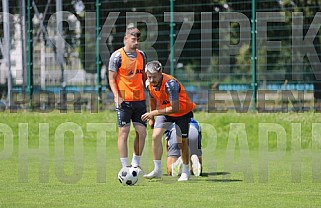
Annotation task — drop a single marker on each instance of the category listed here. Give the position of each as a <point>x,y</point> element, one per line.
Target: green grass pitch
<point>250,160</point>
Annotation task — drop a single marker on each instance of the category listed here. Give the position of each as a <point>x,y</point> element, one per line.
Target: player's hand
<point>147,116</point>
<point>118,100</point>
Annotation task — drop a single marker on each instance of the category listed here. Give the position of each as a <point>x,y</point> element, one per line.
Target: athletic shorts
<point>182,123</point>
<point>194,142</point>
<point>131,111</point>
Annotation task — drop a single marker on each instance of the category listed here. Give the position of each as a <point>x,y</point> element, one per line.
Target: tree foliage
<point>277,62</point>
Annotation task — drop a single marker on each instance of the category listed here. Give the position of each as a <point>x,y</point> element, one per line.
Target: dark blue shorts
<point>182,123</point>
<point>131,111</point>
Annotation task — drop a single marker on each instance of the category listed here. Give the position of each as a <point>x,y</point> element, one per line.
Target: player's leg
<point>137,150</point>
<point>122,144</point>
<point>139,144</point>
<point>185,159</point>
<point>184,151</point>
<point>139,108</point>
<point>157,147</point>
<point>157,150</point>
<point>183,124</point>
<point>123,118</point>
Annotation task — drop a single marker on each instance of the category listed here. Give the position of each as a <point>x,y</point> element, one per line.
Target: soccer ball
<point>128,175</point>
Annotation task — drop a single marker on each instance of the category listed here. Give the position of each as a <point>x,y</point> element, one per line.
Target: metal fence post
<point>171,35</point>
<point>254,84</point>
<point>98,66</point>
<point>30,53</point>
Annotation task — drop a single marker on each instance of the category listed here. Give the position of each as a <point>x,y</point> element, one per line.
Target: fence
<point>209,45</point>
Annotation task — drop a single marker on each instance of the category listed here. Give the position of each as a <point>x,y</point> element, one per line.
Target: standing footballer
<point>126,78</point>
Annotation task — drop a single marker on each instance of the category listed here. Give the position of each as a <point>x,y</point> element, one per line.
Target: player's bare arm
<point>113,86</point>
<point>168,110</point>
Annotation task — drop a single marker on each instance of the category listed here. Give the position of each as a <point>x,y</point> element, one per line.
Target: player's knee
<point>157,135</point>
<point>141,134</point>
<point>123,134</point>
<point>156,138</point>
<point>180,145</point>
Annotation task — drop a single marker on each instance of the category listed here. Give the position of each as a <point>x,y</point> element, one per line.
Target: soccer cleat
<point>153,174</point>
<point>177,167</point>
<point>184,177</point>
<point>196,165</point>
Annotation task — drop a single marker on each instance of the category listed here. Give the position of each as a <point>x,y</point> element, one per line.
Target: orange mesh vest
<point>129,77</point>
<point>185,104</point>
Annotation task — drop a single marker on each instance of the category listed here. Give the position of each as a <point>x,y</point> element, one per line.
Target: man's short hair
<point>153,67</point>
<point>131,30</point>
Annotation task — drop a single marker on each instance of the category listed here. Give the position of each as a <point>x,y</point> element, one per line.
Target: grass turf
<point>82,172</point>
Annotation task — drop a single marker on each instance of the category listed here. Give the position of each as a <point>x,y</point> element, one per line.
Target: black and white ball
<point>128,175</point>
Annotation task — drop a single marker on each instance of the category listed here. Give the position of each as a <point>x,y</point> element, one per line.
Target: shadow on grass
<point>226,180</point>
<point>214,174</point>
<point>205,177</point>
